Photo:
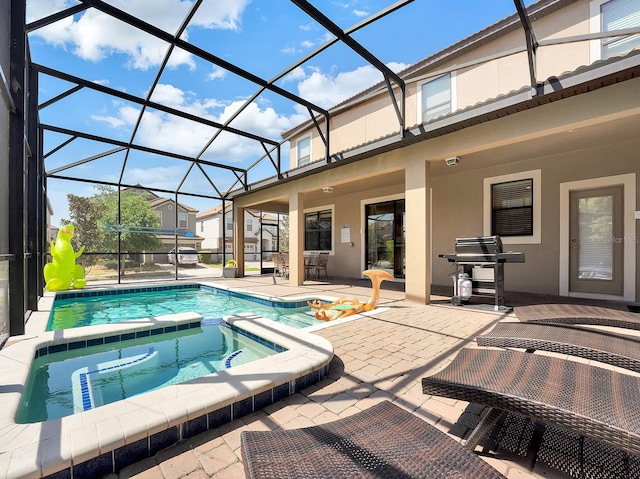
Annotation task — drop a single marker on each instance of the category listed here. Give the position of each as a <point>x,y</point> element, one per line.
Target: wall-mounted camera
<point>452,161</point>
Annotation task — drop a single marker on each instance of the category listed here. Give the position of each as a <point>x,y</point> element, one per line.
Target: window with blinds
<point>512,208</point>
<point>304,151</point>
<point>182,220</point>
<point>436,97</point>
<point>618,15</point>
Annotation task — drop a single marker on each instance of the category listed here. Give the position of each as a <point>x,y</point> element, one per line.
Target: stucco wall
<point>348,261</point>
<point>458,210</point>
<point>376,117</point>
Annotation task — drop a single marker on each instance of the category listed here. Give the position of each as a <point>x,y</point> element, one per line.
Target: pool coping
<point>39,322</point>
<point>107,438</point>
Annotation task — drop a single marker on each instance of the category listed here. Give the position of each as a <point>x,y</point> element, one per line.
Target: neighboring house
<point>260,235</point>
<point>181,219</point>
<point>539,146</point>
<point>52,231</point>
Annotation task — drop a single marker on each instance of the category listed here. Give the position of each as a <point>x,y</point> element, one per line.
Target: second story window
<point>249,224</point>
<point>229,221</point>
<point>618,15</point>
<point>304,151</point>
<point>610,15</point>
<point>436,97</point>
<point>182,220</point>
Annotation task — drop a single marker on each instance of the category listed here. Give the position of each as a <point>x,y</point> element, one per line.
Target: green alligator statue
<point>63,272</point>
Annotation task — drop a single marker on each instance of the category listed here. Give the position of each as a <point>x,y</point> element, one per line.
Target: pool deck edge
<point>142,425</point>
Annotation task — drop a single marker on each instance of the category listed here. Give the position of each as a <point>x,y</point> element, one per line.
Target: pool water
<point>92,310</point>
<point>64,383</point>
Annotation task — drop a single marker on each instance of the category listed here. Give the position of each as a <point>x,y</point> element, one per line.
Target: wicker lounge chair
<point>383,441</point>
<point>603,346</point>
<point>577,314</point>
<point>587,400</point>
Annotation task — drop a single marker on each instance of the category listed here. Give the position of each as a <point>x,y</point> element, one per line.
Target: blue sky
<point>263,37</point>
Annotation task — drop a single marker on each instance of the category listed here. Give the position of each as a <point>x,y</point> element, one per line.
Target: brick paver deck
<point>379,357</point>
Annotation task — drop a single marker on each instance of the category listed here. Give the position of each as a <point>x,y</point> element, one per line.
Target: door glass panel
<point>385,237</point>
<point>596,238</point>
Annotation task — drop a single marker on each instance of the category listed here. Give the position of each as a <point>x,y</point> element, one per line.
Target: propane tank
<point>464,286</point>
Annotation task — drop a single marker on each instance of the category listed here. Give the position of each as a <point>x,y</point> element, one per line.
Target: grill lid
<point>483,245</point>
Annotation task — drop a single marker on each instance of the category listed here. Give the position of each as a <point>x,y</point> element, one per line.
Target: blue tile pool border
<point>146,333</point>
<point>114,461</point>
<point>284,304</point>
<point>111,339</point>
<point>148,289</point>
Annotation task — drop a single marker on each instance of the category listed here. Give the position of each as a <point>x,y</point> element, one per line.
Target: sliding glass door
<point>385,237</point>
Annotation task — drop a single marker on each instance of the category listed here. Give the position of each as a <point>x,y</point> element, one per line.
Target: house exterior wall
<point>376,117</point>
<point>168,219</point>
<point>538,139</point>
<point>461,214</point>
<point>209,229</point>
<point>590,138</point>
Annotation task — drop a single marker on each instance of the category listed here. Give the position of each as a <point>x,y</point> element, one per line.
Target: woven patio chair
<point>277,264</point>
<point>587,400</point>
<point>596,345</point>
<point>577,314</point>
<point>383,441</point>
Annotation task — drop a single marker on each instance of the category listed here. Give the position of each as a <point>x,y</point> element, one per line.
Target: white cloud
<point>327,90</point>
<point>93,36</point>
<point>289,50</point>
<point>112,121</point>
<point>167,132</point>
<point>360,13</point>
<point>307,44</point>
<point>222,14</point>
<point>217,73</point>
<point>161,177</point>
<point>168,95</point>
<point>295,74</point>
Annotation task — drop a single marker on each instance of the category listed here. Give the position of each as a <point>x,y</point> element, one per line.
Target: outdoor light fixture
<point>452,161</point>
<point>328,189</point>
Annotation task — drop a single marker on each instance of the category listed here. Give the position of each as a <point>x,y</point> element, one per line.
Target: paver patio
<point>383,356</point>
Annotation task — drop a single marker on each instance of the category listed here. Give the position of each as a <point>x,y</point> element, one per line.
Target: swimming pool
<point>89,308</point>
<point>101,440</point>
<point>75,380</point>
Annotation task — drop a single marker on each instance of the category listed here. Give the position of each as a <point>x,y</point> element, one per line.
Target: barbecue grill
<point>482,258</point>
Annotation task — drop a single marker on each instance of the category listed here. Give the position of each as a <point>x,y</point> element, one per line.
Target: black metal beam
<point>110,141</point>
<point>140,101</point>
<point>530,38</point>
<point>309,56</point>
<point>87,160</point>
<point>17,239</point>
<point>199,52</point>
<point>59,97</point>
<point>125,185</point>
<point>33,192</point>
<point>323,20</point>
<point>43,22</point>
<point>156,80</point>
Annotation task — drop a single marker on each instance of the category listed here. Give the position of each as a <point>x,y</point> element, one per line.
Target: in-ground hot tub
<point>104,439</point>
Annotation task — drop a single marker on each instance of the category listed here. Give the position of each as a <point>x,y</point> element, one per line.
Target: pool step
<point>85,395</point>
